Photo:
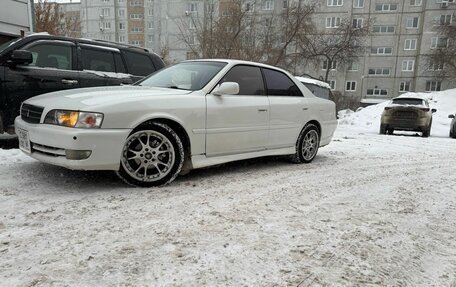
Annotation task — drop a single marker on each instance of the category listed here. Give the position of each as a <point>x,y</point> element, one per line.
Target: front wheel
<point>151,156</point>
<point>307,145</point>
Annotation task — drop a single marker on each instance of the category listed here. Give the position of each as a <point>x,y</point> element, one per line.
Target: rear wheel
<point>427,131</point>
<point>151,156</point>
<point>307,145</point>
<point>452,134</point>
<point>383,129</point>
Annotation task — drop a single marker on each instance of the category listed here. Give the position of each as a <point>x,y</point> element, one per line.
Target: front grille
<point>405,115</point>
<point>48,150</point>
<point>31,114</point>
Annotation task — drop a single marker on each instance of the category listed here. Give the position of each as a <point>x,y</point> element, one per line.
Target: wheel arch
<point>180,131</point>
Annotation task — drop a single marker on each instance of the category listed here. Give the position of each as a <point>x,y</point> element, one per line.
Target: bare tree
<point>49,18</point>
<point>235,29</point>
<point>337,46</point>
<point>443,57</point>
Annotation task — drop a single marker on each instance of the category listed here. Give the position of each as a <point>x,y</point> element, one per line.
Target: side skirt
<point>199,161</point>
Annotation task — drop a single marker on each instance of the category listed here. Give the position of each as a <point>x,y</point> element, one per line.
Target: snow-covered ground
<point>370,210</point>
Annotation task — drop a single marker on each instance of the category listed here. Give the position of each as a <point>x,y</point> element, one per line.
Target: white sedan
<point>191,115</point>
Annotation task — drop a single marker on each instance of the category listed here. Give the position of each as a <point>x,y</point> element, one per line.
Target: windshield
<point>406,101</point>
<point>7,44</point>
<point>190,76</point>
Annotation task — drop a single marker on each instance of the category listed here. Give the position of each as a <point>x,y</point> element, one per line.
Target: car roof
<point>233,62</point>
<point>46,36</point>
<point>313,82</point>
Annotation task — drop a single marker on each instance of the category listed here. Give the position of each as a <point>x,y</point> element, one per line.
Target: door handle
<point>69,82</point>
<point>262,110</point>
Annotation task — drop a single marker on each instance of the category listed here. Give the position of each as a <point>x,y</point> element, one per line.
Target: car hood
<point>87,98</point>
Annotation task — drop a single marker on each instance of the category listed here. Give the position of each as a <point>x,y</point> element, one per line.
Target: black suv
<point>39,64</point>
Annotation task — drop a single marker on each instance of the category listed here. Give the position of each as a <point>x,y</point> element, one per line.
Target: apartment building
<point>403,33</point>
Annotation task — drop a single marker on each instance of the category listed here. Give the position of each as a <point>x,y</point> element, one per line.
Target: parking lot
<point>370,209</point>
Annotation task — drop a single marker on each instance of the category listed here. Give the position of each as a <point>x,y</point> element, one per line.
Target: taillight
<point>387,108</point>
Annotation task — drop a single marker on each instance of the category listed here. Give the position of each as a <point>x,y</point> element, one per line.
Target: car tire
<point>452,135</point>
<point>307,145</point>
<point>426,132</point>
<point>390,131</point>
<point>383,129</point>
<point>151,156</point>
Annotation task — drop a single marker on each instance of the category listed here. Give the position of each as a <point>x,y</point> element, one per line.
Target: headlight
<point>74,119</point>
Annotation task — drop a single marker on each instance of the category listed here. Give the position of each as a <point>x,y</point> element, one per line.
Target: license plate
<point>24,140</point>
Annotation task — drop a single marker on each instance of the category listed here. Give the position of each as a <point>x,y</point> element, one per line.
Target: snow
<point>368,119</point>
<point>108,74</point>
<point>313,81</point>
<point>371,210</point>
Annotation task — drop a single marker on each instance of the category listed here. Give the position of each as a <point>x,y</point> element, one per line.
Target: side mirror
<point>21,57</point>
<point>226,88</point>
<point>451,116</point>
<point>433,110</point>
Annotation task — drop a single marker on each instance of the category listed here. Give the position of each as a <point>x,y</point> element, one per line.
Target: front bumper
<point>53,142</point>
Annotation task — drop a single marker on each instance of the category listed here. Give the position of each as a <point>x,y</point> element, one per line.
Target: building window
<point>332,84</point>
<point>382,51</point>
<point>135,3</point>
<point>104,1</point>
<point>332,65</point>
<point>443,20</point>
<point>107,25</point>
<point>105,12</point>
<point>436,65</point>
<point>121,26</point>
<point>285,4</point>
<point>350,86</point>
<point>150,25</point>
<point>136,43</point>
<point>410,44</point>
<point>415,2</point>
<point>332,22</point>
<point>383,29</point>
<point>377,92</point>
<point>120,1</point>
<point>136,29</point>
<point>150,12</point>
<point>412,23</point>
<point>358,4</point>
<point>353,66</point>
<point>249,7</point>
<point>268,5</point>
<point>192,7</point>
<point>386,7</point>
<point>358,22</point>
<point>150,38</point>
<point>122,39</point>
<point>433,86</point>
<point>136,16</point>
<point>335,2</point>
<point>379,71</point>
<point>438,42</point>
<point>407,65</point>
<point>121,12</point>
<point>404,86</point>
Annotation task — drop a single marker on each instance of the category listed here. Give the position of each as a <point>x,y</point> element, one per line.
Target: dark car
<point>407,114</point>
<point>39,64</point>
<point>452,126</point>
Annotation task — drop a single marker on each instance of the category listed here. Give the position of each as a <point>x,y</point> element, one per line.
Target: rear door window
<point>98,60</point>
<point>139,64</point>
<point>279,84</point>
